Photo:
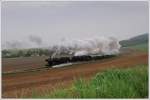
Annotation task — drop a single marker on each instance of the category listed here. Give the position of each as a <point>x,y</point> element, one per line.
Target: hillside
<point>137,40</point>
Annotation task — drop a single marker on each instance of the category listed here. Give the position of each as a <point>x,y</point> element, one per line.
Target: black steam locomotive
<point>62,60</point>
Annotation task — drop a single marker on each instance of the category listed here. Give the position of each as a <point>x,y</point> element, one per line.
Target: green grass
<point>141,47</point>
<point>113,83</point>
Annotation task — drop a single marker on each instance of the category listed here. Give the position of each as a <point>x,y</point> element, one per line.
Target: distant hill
<point>140,39</point>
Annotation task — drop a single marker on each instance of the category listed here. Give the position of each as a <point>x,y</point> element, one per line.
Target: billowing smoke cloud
<point>98,46</point>
<point>31,42</point>
<point>35,39</point>
<point>13,45</point>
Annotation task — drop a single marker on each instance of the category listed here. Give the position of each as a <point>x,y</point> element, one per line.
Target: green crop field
<point>112,83</point>
<point>141,47</point>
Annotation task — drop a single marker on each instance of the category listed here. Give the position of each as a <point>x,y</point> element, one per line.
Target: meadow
<point>141,47</point>
<point>112,83</point>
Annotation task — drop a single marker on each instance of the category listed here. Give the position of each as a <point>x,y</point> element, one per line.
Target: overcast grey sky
<point>55,21</point>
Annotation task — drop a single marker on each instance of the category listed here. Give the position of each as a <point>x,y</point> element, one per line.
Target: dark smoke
<point>35,39</point>
<point>13,45</point>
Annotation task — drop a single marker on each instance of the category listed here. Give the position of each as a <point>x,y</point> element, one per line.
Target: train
<point>73,59</point>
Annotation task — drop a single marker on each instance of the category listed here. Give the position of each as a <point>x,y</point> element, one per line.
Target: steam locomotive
<point>73,59</point>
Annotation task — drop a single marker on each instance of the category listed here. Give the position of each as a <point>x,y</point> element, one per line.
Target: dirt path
<point>51,78</point>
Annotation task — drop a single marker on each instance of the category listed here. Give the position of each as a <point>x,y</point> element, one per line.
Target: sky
<point>36,24</point>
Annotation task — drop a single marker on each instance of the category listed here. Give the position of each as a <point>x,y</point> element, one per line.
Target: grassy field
<point>141,47</point>
<point>112,83</point>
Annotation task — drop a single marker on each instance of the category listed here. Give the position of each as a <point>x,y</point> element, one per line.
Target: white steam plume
<point>98,45</point>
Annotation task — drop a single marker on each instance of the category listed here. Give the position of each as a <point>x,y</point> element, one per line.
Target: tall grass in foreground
<point>113,83</point>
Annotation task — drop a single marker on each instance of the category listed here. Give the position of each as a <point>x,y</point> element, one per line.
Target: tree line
<point>11,53</point>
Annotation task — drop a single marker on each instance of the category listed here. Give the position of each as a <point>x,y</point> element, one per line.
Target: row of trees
<point>55,51</point>
<point>25,52</point>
